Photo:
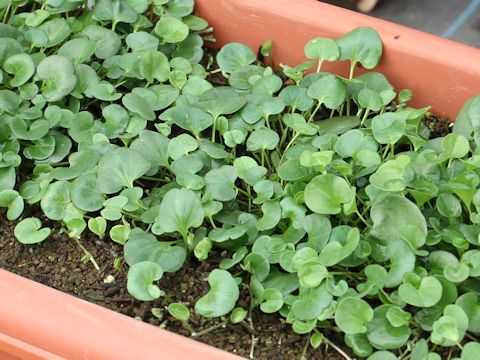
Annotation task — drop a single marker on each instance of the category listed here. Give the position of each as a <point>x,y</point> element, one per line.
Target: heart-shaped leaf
<point>119,168</point>
<point>30,231</point>
<point>427,294</point>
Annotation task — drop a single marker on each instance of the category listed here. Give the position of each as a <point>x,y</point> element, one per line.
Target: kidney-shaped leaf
<point>140,280</point>
<point>21,66</point>
<point>388,128</point>
<point>222,296</point>
<point>13,201</point>
<point>383,335</point>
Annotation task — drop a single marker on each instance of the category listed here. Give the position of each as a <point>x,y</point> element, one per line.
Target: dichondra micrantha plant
<point>335,207</point>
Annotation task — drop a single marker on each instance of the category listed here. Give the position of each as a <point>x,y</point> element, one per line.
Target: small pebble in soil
<point>109,279</point>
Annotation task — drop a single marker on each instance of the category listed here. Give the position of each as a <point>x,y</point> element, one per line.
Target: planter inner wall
<point>443,74</point>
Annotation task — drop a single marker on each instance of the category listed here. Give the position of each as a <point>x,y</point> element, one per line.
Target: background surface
<point>455,19</point>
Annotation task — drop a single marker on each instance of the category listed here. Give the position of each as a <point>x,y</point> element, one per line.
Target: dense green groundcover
<point>335,208</point>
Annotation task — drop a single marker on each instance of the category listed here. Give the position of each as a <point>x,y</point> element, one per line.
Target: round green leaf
<point>143,246</point>
<point>369,99</point>
<point>325,194</point>
<point>58,76</point>
<point>180,210</point>
<point>352,315</point>
<point>322,49</point>
<point>189,118</point>
<point>382,335</point>
<point>448,205</point>
<point>221,183</point>
<point>329,90</point>
<point>78,50</point>
<point>395,218</point>
<point>388,128</point>
<point>272,301</point>
<point>361,45</point>
<point>455,146</point>
<point>85,194</point>
<point>233,56</point>
<point>56,200</point>
<point>97,225</point>
<point>153,65</point>
<point>179,311</point>
<point>171,30</point>
<point>311,302</point>
<point>262,139</point>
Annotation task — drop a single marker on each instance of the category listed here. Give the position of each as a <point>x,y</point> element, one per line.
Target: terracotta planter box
<point>37,322</point>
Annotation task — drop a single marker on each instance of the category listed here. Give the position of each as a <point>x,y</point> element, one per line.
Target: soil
<point>437,125</point>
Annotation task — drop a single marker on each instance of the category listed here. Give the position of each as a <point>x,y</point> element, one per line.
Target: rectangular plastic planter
<point>37,322</point>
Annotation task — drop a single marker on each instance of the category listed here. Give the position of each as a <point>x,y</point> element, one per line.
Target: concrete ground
<point>458,20</point>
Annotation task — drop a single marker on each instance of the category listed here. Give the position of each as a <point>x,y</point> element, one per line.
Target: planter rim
<point>38,322</point>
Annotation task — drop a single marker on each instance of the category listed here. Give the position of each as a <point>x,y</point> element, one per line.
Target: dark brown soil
<point>57,263</point>
<point>437,125</point>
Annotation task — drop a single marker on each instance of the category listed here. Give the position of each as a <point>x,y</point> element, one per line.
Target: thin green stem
<point>267,122</point>
<point>365,116</point>
<point>319,66</point>
<point>210,219</point>
<point>210,329</point>
<point>305,347</point>
<point>14,10</point>
<point>385,152</point>
<point>86,252</point>
<point>362,218</point>
<point>288,146</point>
<point>352,68</point>
<point>5,15</point>
<point>249,193</point>
<point>152,178</point>
<point>214,128</point>
<point>314,111</point>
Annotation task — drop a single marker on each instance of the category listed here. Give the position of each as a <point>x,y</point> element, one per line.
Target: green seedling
<point>354,222</point>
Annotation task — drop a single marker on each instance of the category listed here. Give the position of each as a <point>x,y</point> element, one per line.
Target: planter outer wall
<point>41,323</point>
<point>443,74</point>
<point>37,322</point>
